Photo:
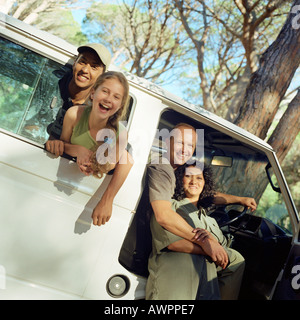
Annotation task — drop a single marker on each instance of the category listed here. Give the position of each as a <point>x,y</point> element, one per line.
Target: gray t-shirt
<point>161,182</point>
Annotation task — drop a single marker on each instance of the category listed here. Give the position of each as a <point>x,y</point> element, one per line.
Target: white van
<point>49,248</point>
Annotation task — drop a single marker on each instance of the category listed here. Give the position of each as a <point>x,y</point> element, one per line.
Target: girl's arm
<point>103,209</point>
<point>82,154</point>
<point>70,119</point>
<point>58,147</point>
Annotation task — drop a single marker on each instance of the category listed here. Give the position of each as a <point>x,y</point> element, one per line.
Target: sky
<point>174,87</point>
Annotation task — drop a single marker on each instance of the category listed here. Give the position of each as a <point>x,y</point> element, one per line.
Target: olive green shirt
<point>81,133</point>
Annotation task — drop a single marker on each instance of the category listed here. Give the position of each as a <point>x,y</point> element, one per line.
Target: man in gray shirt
<point>157,199</point>
<point>161,183</point>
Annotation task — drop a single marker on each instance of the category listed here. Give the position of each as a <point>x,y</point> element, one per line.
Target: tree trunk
<point>270,82</point>
<point>240,87</point>
<point>281,142</point>
<point>287,129</point>
<point>267,88</point>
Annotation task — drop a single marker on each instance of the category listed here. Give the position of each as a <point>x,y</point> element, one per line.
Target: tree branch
<point>240,6</point>
<point>289,122</point>
<point>268,12</point>
<point>269,83</point>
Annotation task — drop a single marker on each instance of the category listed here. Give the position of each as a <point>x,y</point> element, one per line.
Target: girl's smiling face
<point>107,98</point>
<point>193,182</point>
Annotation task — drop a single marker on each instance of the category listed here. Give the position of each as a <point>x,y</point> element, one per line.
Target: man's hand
<point>211,247</point>
<point>55,146</point>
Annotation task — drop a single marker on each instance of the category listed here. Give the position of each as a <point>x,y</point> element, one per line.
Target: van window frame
<point>18,135</point>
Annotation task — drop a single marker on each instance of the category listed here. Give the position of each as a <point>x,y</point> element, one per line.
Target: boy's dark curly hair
<point>207,195</point>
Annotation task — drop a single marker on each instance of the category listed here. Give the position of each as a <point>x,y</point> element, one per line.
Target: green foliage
<point>12,96</point>
<point>62,24</point>
<point>224,56</point>
<point>145,38</point>
<point>271,206</point>
<point>291,169</point>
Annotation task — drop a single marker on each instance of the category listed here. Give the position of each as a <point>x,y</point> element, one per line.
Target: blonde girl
<point>106,106</point>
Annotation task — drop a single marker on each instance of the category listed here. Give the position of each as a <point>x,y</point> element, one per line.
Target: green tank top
<point>81,133</point>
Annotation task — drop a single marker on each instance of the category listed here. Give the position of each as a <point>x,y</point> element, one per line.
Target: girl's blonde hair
<point>97,168</point>
<point>113,121</point>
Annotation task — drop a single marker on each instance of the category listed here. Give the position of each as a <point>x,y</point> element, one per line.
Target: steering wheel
<point>226,217</point>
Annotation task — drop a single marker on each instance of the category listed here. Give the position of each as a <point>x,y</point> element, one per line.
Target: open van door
<point>288,286</point>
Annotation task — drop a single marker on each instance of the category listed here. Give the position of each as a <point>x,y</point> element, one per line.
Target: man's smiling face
<point>86,69</point>
<point>182,145</point>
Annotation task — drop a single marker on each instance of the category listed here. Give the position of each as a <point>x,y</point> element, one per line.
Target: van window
<point>29,96</point>
<point>29,93</point>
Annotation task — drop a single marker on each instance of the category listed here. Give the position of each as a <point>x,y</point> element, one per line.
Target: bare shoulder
<point>71,118</point>
<point>74,113</point>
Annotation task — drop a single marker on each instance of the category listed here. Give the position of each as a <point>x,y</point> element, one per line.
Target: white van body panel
<point>60,248</point>
<point>57,248</point>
